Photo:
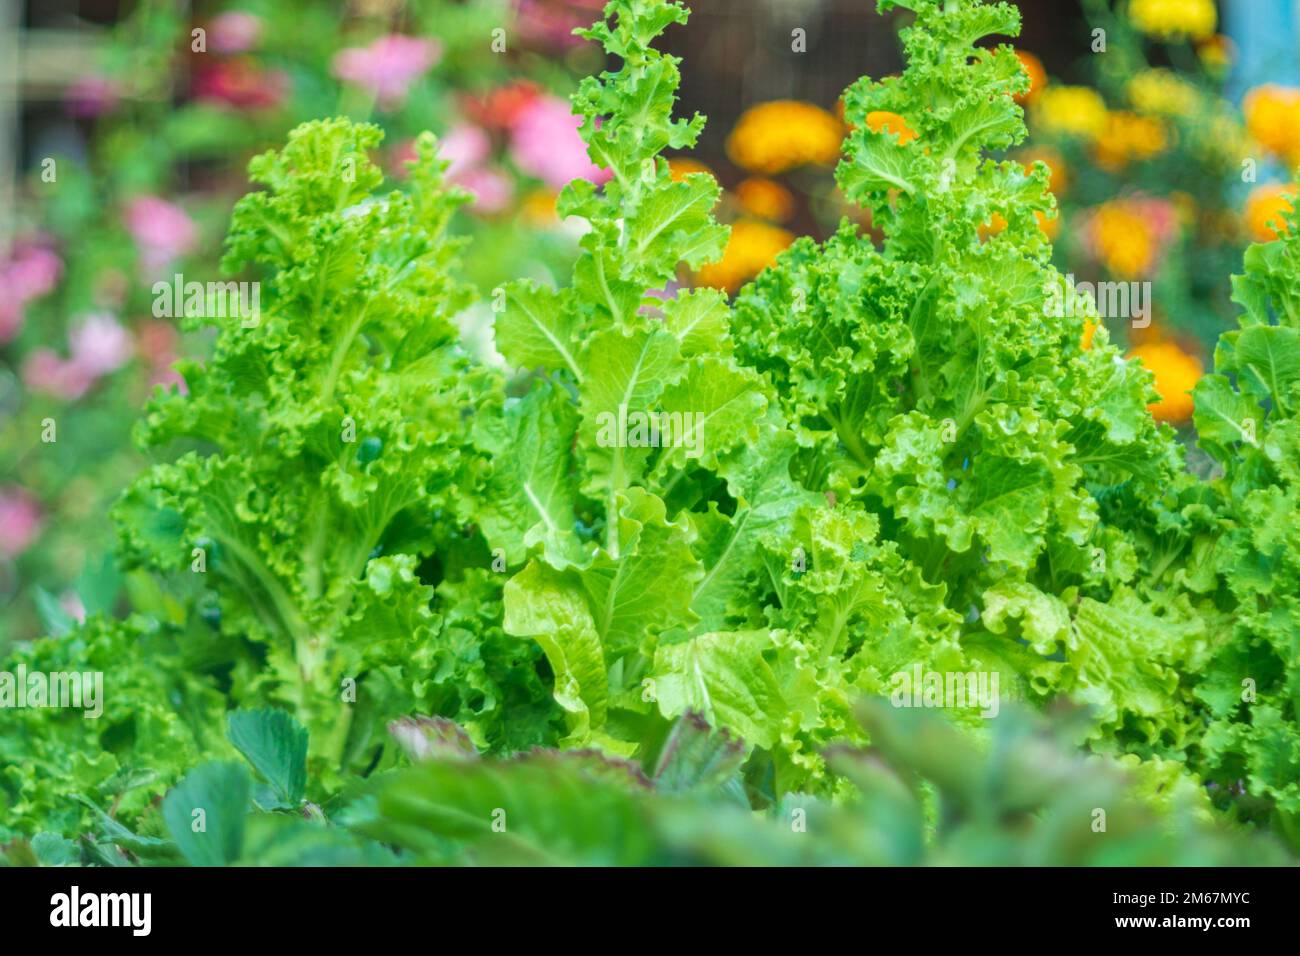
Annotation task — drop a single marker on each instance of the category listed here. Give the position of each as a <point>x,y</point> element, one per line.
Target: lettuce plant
<point>632,546</point>
<point>931,383</point>
<point>648,562</point>
<point>1245,560</point>
<point>306,514</point>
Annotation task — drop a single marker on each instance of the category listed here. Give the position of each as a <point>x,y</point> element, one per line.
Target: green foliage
<point>1247,557</point>
<point>158,718</point>
<point>372,553</point>
<point>1027,799</point>
<point>935,391</point>
<point>635,555</point>
<point>322,457</point>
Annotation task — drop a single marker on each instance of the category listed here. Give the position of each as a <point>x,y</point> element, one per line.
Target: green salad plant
<point>660,565</point>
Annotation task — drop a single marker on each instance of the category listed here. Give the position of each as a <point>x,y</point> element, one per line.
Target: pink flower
<point>162,230</point>
<point>99,344</point>
<point>90,96</point>
<point>552,22</point>
<point>45,372</point>
<point>545,143</point>
<point>20,520</point>
<point>491,188</point>
<point>234,31</point>
<point>387,68</point>
<point>30,273</point>
<point>464,147</point>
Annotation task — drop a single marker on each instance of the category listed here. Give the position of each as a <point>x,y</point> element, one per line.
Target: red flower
<point>240,83</point>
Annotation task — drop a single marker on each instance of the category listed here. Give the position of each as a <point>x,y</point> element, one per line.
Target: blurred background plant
<point>927,795</point>
<point>1160,177</point>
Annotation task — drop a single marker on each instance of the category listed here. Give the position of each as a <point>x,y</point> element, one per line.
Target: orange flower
<point>1051,226</point>
<point>765,198</point>
<point>1273,119</point>
<point>1128,136</point>
<point>1129,235</point>
<point>995,225</point>
<point>1122,240</point>
<point>679,167</point>
<point>892,123</point>
<point>773,137</point>
<point>1037,76</point>
<point>1176,373</point>
<point>1055,162</point>
<point>752,248</point>
<point>1089,330</point>
<point>1266,209</point>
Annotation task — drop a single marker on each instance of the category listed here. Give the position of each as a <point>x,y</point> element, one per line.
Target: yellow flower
<point>773,137</point>
<point>1128,137</point>
<point>1163,93</point>
<point>765,198</point>
<point>538,208</point>
<point>1072,110</point>
<point>1122,239</point>
<point>1174,19</point>
<point>679,167</point>
<point>1265,212</point>
<point>1273,120</point>
<point>752,248</point>
<point>1176,373</point>
<point>891,123</point>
